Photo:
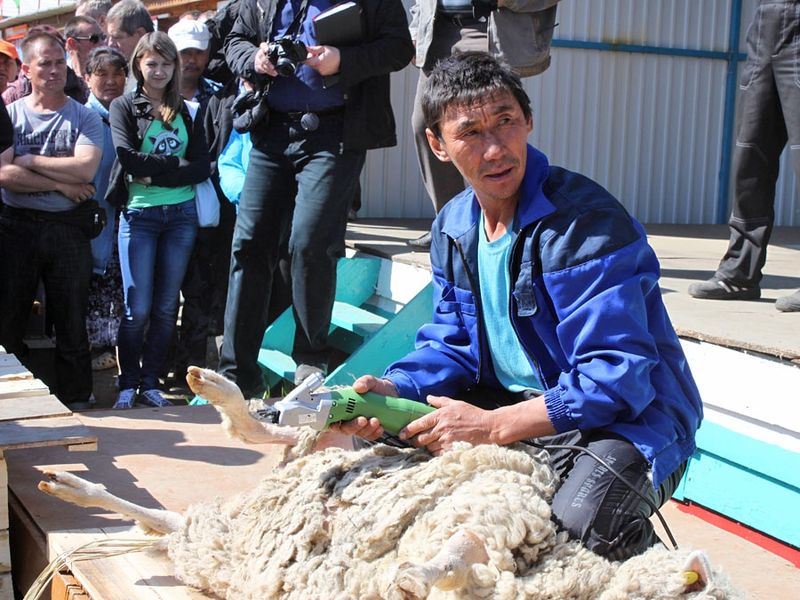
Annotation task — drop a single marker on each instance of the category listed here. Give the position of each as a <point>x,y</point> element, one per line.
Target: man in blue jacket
<point>548,322</point>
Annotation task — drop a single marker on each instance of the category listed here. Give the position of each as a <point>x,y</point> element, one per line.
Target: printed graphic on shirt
<point>58,143</point>
<point>166,143</point>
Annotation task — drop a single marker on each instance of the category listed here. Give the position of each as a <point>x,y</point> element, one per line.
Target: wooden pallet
<point>29,417</point>
<point>169,458</point>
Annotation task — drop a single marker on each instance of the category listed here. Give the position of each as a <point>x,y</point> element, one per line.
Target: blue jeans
<point>60,255</point>
<point>305,181</point>
<point>154,248</point>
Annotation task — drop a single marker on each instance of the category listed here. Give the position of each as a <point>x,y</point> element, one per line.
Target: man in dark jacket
<point>304,166</point>
<point>547,321</point>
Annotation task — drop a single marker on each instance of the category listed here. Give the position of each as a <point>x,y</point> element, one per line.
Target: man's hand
<point>324,59</point>
<point>455,421</point>
<point>262,64</point>
<point>369,429</point>
<point>77,192</point>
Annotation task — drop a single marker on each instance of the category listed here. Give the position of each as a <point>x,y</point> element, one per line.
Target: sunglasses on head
<point>95,38</point>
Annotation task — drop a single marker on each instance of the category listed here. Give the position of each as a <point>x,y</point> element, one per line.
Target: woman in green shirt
<point>161,154</point>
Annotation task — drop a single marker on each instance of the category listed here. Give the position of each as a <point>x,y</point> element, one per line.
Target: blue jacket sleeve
<point>232,166</point>
<point>602,311</point>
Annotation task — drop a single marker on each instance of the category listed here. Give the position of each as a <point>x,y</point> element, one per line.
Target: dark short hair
<point>130,15</point>
<point>106,56</point>
<point>465,79</point>
<point>71,29</point>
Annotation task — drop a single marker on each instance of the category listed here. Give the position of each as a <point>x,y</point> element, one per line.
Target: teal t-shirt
<point>512,367</point>
<point>162,141</point>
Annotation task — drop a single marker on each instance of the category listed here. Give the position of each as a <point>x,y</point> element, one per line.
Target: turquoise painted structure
<point>745,479</point>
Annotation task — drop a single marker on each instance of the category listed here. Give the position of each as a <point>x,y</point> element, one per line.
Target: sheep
<point>390,523</point>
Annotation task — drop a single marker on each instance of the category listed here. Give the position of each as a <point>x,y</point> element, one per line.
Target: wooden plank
<point>768,459</point>
<point>23,388</point>
<point>392,341</point>
<point>66,587</point>
<point>11,372</point>
<point>5,552</point>
<point>57,431</point>
<point>743,495</point>
<point>8,360</point>
<point>3,493</point>
<point>34,407</point>
<point>6,587</point>
<point>133,576</point>
<point>356,319</point>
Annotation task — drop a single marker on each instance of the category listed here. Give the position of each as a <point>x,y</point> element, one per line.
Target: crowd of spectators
<point>110,125</point>
<point>115,119</point>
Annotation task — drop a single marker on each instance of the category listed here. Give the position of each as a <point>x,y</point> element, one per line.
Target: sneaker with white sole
<point>717,289</point>
<point>126,399</point>
<point>790,303</point>
<point>153,398</point>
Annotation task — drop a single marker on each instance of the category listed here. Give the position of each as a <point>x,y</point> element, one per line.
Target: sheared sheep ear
<point>697,571</point>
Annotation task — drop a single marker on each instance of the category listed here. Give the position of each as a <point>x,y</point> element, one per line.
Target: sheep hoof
<point>413,581</point>
<point>67,487</point>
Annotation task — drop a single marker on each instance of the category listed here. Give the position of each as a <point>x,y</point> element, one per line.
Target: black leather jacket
<point>363,72</point>
<point>130,117</point>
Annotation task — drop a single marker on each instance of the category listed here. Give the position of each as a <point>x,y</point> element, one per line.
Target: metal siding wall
<point>643,126</point>
<point>647,127</point>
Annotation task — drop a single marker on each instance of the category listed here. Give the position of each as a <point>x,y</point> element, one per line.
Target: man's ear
<point>25,69</point>
<point>437,146</point>
<point>71,44</point>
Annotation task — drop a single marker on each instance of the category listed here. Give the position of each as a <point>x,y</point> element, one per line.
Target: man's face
<point>122,41</point>
<point>487,142</point>
<point>106,83</point>
<point>81,45</point>
<point>46,68</point>
<point>193,63</point>
<point>8,70</point>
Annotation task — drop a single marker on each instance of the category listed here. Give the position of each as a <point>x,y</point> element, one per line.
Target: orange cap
<point>9,50</point>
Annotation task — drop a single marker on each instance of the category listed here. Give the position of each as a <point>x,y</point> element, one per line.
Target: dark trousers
<point>594,506</point>
<point>591,503</point>
<point>60,256</point>
<point>768,115</point>
<point>204,289</point>
<point>442,180</point>
<point>308,180</point>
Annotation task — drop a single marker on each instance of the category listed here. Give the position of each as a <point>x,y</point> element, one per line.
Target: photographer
<point>310,138</point>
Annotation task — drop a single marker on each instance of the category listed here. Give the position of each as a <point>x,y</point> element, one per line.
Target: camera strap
<point>299,17</point>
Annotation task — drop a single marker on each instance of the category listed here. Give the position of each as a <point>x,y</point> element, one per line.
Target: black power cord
<point>616,474</point>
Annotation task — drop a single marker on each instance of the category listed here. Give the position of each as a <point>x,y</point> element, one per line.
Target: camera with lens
<point>286,53</point>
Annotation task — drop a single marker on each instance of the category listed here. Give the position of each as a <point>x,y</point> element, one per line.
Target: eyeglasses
<point>95,38</point>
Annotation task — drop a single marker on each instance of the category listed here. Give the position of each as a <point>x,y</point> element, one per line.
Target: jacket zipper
<point>478,307</point>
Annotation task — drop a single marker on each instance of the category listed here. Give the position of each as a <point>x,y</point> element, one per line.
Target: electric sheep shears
<point>304,406</point>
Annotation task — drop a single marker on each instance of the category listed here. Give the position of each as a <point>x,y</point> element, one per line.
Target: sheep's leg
<point>78,491</point>
<point>448,570</point>
<point>236,419</point>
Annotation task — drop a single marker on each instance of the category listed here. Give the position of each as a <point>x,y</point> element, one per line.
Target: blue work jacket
<point>585,305</point>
